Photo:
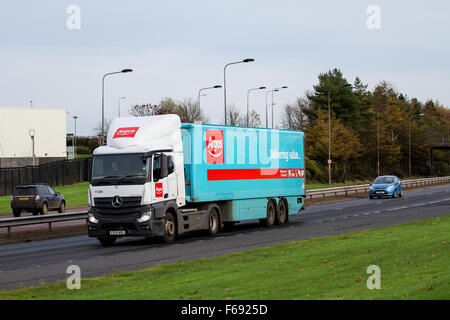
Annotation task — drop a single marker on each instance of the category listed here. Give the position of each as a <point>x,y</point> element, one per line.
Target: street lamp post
<point>248,93</point>
<point>276,90</point>
<point>103,100</point>
<point>121,98</point>
<point>225,83</point>
<point>206,88</point>
<point>329,127</point>
<point>409,140</point>
<point>75,138</point>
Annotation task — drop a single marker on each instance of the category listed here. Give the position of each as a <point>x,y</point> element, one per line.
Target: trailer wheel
<point>269,221</point>
<point>170,228</point>
<point>282,212</point>
<point>107,241</point>
<point>213,222</point>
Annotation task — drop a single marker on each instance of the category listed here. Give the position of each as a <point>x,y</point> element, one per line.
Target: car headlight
<point>371,188</point>
<point>145,217</point>
<point>390,188</point>
<point>92,218</point>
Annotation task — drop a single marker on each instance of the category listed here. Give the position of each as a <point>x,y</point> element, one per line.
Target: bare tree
<point>254,120</point>
<point>142,110</point>
<point>233,117</point>
<point>187,110</point>
<point>293,116</point>
<point>98,128</point>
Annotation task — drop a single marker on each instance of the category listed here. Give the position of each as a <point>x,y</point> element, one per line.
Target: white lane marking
<point>433,202</point>
<point>367,213</point>
<point>355,215</point>
<point>376,212</point>
<point>219,238</point>
<point>418,204</point>
<point>400,208</point>
<point>338,208</point>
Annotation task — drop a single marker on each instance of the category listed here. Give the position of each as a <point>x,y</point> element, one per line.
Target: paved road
<point>30,263</point>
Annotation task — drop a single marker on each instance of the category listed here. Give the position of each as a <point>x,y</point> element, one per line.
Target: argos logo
<point>129,132</point>
<point>158,190</point>
<point>214,147</point>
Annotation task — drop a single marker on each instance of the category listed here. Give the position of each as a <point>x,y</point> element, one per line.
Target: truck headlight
<point>92,218</point>
<point>145,217</point>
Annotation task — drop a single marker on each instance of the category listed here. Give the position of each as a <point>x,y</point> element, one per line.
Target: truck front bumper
<point>107,226</point>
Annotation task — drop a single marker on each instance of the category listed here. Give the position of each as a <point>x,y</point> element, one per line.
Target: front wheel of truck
<point>107,241</point>
<point>170,228</point>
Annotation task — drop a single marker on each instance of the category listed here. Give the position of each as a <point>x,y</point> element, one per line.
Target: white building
<point>22,129</point>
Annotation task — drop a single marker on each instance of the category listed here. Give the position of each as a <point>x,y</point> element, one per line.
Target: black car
<point>36,198</point>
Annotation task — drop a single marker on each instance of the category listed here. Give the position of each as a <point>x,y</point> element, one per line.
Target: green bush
<point>312,169</point>
<point>83,150</point>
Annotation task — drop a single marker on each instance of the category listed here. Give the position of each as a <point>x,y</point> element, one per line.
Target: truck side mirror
<point>164,166</point>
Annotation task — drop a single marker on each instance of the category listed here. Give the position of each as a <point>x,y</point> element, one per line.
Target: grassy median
<point>413,259</point>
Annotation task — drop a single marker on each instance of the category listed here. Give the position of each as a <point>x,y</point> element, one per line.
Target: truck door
<point>172,179</point>
<point>160,190</point>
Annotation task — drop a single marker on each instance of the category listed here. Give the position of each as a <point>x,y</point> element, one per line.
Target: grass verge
<point>413,259</point>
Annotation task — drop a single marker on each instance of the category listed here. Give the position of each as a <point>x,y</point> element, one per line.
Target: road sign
<point>329,161</point>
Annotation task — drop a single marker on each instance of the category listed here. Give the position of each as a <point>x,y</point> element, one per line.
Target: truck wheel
<point>170,228</point>
<point>44,209</point>
<point>269,221</point>
<point>62,207</point>
<point>282,212</point>
<point>16,213</point>
<point>107,241</point>
<point>213,222</point>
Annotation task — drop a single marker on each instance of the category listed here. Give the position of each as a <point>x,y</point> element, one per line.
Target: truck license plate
<point>117,233</point>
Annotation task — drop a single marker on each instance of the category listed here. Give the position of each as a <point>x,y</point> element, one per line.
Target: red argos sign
<point>128,132</point>
<point>214,147</point>
<point>159,190</point>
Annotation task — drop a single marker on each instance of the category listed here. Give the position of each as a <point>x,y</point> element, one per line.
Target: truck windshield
<point>119,169</point>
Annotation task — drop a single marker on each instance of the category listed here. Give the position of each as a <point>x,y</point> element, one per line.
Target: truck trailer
<point>159,177</point>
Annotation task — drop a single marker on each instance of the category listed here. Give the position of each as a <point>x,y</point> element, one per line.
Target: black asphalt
<point>32,263</point>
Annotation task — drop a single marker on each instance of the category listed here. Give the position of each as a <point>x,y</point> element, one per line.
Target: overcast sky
<point>177,47</point>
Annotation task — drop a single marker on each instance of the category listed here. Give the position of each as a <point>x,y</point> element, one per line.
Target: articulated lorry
<point>158,177</point>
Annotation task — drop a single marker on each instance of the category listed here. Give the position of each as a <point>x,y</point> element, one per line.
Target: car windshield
<point>384,180</point>
<point>24,191</point>
<point>116,169</point>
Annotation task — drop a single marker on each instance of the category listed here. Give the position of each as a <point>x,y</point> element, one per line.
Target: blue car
<point>385,186</point>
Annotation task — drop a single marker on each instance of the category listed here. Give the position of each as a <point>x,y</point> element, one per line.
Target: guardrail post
<point>50,227</point>
<point>9,231</point>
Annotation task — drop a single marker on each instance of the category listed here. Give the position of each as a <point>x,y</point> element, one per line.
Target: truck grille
<point>129,205</point>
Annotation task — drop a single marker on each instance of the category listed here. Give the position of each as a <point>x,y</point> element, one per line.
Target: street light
<point>248,92</point>
<point>121,98</point>
<point>409,139</point>
<point>207,88</point>
<point>378,139</point>
<point>225,83</point>
<point>103,100</point>
<point>75,138</point>
<point>31,132</point>
<point>276,90</point>
<point>329,127</point>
